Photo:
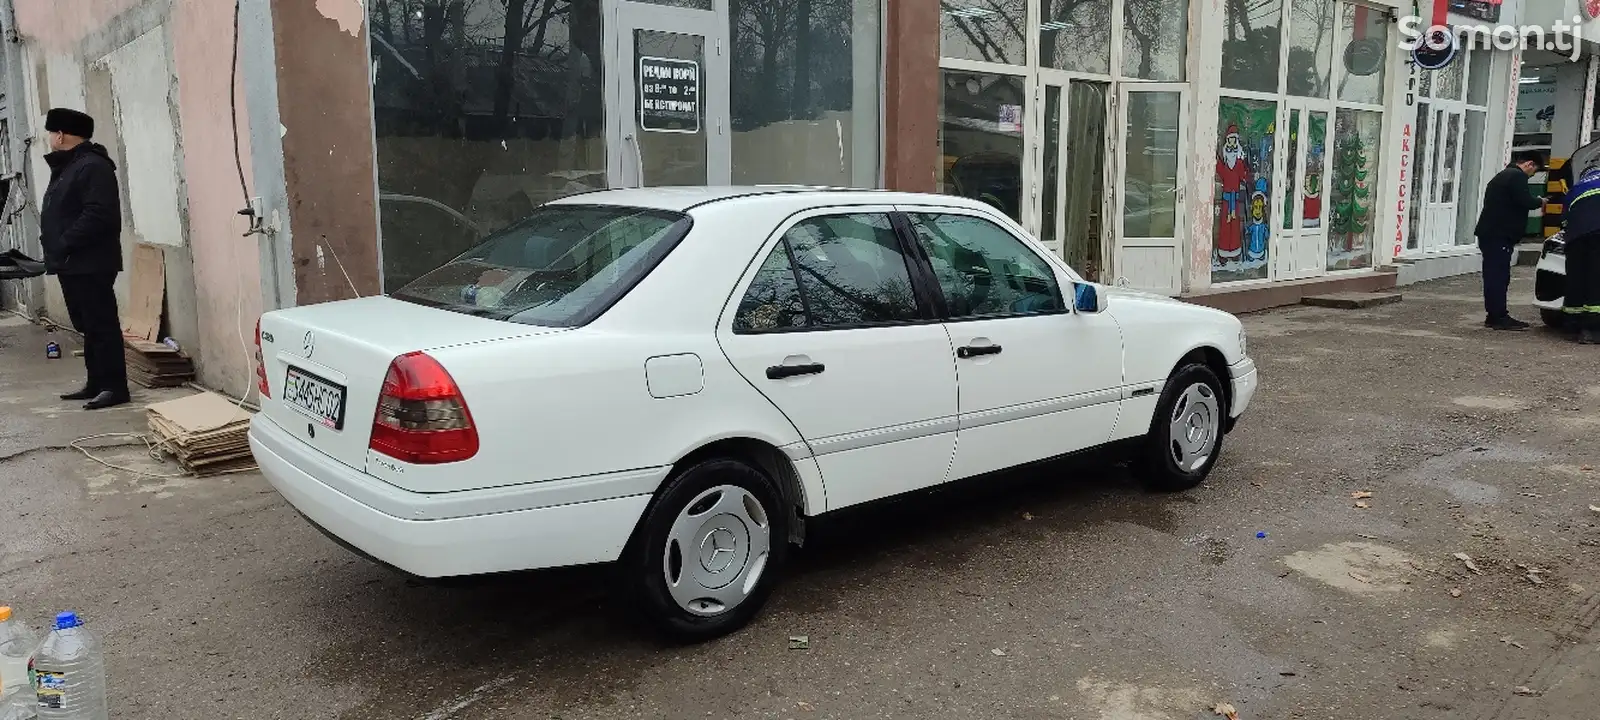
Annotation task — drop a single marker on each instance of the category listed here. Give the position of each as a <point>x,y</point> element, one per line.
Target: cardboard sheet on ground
<point>207,433</point>
<point>200,413</point>
<point>147,291</point>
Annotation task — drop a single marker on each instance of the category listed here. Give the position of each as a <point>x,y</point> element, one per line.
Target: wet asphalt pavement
<point>1060,592</point>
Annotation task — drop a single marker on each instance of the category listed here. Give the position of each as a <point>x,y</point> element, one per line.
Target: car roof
<point>684,199</point>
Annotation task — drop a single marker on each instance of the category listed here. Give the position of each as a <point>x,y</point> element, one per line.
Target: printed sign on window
<point>669,95</point>
<point>1010,118</point>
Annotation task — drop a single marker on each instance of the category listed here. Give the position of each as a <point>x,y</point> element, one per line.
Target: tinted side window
<point>773,300</point>
<point>851,270</point>
<point>985,270</point>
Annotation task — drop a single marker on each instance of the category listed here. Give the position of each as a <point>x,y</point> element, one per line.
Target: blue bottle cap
<point>66,620</point>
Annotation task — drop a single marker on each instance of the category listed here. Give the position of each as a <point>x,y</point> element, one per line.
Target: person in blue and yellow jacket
<point>1582,303</point>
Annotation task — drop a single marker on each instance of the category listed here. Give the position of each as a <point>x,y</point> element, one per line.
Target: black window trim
<point>927,275</point>
<point>612,294</point>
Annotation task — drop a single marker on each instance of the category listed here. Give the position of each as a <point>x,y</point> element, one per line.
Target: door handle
<point>779,372</point>
<point>971,351</point>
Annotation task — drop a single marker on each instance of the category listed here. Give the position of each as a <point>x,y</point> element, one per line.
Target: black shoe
<point>107,399</point>
<point>1589,337</point>
<point>84,394</point>
<point>1505,323</point>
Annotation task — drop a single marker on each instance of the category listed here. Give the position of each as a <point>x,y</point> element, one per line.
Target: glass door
<point>1149,186</point>
<point>1303,219</point>
<point>1072,201</point>
<point>668,115</point>
<point>1439,206</point>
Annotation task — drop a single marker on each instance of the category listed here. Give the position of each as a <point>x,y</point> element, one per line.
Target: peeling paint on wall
<point>348,13</point>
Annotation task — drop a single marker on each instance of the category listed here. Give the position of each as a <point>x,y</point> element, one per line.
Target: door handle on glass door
<point>971,351</point>
<point>779,372</point>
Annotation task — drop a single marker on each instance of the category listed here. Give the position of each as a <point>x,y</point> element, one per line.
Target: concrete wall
<point>155,74</point>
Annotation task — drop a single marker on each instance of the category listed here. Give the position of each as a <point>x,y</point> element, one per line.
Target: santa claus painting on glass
<point>1233,172</point>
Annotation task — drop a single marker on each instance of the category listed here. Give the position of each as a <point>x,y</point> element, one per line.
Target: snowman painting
<point>1257,233</point>
<point>1311,214</point>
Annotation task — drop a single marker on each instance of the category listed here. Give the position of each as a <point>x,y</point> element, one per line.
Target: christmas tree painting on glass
<point>1354,172</point>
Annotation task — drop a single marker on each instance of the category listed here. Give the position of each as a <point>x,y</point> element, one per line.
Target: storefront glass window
<point>1316,167</point>
<point>1076,35</point>
<point>1150,139</point>
<point>1471,179</point>
<point>1355,174</point>
<point>1478,62</point>
<point>482,111</point>
<point>1154,39</point>
<point>1419,173</point>
<point>1447,80</point>
<point>1290,170</point>
<point>987,30</point>
<point>1310,47</point>
<point>1364,50</point>
<point>1250,47</point>
<point>1242,213</point>
<point>980,138</point>
<point>805,102</point>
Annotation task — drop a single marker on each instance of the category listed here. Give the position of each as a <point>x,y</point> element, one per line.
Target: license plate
<point>320,399</point>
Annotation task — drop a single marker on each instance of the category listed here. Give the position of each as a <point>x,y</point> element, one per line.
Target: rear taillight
<point>422,418</point>
<point>261,366</point>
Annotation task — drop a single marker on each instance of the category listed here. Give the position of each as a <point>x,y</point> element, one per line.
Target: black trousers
<point>92,307</point>
<point>1496,274</point>
<point>1582,302</point>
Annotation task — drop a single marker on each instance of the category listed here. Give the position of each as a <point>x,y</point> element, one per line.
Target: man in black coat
<point>1504,220</point>
<point>81,230</point>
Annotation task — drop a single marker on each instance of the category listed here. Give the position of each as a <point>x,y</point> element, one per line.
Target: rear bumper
<point>579,525</point>
<point>1245,382</point>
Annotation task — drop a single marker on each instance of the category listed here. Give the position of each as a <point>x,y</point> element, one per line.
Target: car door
<point>1035,378</point>
<point>829,327</point>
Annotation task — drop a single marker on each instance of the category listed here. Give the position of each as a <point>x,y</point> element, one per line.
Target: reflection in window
<point>1154,38</point>
<point>984,270</point>
<point>1245,141</point>
<point>1364,49</point>
<point>773,300</point>
<point>1076,35</point>
<point>1310,47</point>
<point>1250,48</point>
<point>1355,172</point>
<point>980,138</point>
<point>1448,79</point>
<point>1472,176</point>
<point>805,92</point>
<point>851,270</point>
<point>987,30</point>
<point>1478,76</point>
<point>1419,173</point>
<point>482,111</point>
<point>1150,193</point>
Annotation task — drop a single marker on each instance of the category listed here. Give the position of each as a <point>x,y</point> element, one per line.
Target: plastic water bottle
<point>19,706</point>
<point>69,673</point>
<point>17,643</point>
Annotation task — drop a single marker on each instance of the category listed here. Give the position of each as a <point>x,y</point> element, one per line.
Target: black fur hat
<point>70,122</point>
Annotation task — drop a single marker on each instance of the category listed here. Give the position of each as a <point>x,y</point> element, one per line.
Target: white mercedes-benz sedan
<point>675,380</point>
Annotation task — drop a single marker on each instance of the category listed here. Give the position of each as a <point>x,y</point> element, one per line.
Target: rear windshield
<point>561,266</point>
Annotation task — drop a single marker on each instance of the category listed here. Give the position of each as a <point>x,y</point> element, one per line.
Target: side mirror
<point>1088,298</point>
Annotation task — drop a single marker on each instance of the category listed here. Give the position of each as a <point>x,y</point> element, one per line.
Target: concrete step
<point>1351,300</point>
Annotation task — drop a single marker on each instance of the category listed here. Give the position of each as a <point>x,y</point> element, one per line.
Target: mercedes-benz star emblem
<point>309,345</point>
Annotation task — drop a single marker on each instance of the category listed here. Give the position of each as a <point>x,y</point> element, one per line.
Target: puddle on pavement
<point>1111,700</point>
<point>1357,567</point>
<point>1447,472</point>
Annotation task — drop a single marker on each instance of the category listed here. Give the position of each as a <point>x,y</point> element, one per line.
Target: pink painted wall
<point>226,265</point>
<point>59,24</point>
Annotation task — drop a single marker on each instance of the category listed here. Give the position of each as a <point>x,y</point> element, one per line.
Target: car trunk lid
<point>325,363</point>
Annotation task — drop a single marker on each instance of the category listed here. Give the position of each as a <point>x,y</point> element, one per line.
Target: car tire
<point>1553,318</point>
<point>698,566</point>
<point>1186,432</point>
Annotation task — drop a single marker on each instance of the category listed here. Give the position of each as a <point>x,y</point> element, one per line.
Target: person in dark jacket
<point>81,231</point>
<point>1582,302</point>
<point>1504,220</point>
